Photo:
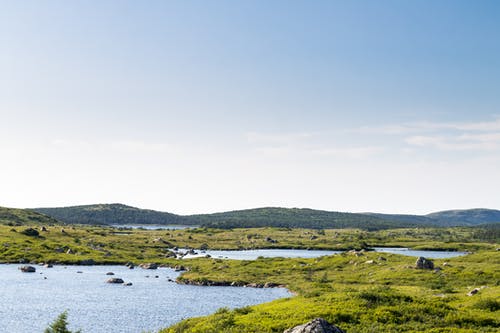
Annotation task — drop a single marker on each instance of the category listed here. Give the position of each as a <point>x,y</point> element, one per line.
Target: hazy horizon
<point>198,107</point>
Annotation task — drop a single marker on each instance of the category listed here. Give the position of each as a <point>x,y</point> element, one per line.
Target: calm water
<point>29,302</point>
<point>154,226</point>
<point>268,253</point>
<point>294,253</point>
<point>421,253</point>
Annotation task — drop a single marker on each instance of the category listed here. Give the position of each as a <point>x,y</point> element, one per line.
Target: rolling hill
<point>14,216</point>
<point>296,218</point>
<point>112,214</point>
<point>466,216</point>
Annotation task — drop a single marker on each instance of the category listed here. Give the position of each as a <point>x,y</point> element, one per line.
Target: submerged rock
<point>318,325</point>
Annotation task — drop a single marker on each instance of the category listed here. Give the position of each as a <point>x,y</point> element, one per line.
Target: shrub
<point>489,304</point>
<point>60,325</point>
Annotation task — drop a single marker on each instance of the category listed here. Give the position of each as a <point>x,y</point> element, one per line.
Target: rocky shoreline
<point>211,283</point>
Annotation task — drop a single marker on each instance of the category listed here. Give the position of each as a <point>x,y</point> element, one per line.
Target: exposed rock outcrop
<point>318,325</point>
<point>423,263</point>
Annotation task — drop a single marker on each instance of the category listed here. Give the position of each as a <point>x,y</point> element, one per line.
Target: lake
<point>29,302</point>
<point>421,253</point>
<point>154,226</point>
<point>297,253</point>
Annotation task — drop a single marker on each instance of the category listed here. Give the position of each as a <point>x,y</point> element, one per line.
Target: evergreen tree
<point>60,325</point>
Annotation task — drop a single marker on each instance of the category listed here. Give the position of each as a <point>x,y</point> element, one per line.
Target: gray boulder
<point>318,325</point>
<point>423,263</point>
<point>115,280</point>
<point>27,269</point>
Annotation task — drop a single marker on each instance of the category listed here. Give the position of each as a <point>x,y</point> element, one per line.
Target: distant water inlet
<point>154,226</point>
<point>298,253</point>
<point>31,301</point>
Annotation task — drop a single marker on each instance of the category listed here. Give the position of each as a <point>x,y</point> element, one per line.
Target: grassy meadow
<point>358,291</point>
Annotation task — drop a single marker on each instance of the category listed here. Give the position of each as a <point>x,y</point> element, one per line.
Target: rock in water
<point>115,280</point>
<point>423,263</point>
<point>27,269</point>
<point>318,325</point>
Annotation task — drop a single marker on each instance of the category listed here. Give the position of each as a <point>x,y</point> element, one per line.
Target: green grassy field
<point>363,292</point>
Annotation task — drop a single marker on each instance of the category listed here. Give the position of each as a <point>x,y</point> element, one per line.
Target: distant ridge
<point>15,216</point>
<point>110,214</point>
<point>296,218</point>
<point>473,216</point>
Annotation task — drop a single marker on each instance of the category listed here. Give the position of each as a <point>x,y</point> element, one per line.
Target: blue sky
<point>197,106</point>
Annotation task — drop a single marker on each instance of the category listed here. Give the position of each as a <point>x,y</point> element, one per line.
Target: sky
<point>207,106</point>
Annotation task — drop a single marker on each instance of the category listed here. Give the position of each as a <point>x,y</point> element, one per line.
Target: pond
<point>298,253</point>
<point>31,301</point>
<point>154,226</point>
<point>268,253</point>
<point>420,253</point>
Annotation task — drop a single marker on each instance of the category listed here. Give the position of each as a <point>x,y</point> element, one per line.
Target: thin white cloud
<point>304,144</point>
<point>463,142</point>
<point>426,126</point>
<point>277,138</point>
<point>350,152</point>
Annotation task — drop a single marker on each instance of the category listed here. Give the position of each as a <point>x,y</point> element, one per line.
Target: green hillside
<point>111,214</point>
<point>13,216</point>
<point>466,216</point>
<point>297,218</point>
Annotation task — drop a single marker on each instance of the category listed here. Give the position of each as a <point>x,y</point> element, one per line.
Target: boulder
<point>128,284</point>
<point>115,280</point>
<point>149,266</point>
<point>423,263</point>
<point>48,266</point>
<point>318,325</point>
<point>179,268</point>
<point>170,254</point>
<point>27,269</point>
<point>110,273</point>
<point>473,292</point>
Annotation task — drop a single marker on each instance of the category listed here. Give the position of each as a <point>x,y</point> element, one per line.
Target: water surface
<point>420,253</point>
<point>297,253</point>
<point>29,302</point>
<point>154,226</point>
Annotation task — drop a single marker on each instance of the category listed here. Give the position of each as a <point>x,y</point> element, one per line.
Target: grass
<point>359,293</point>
